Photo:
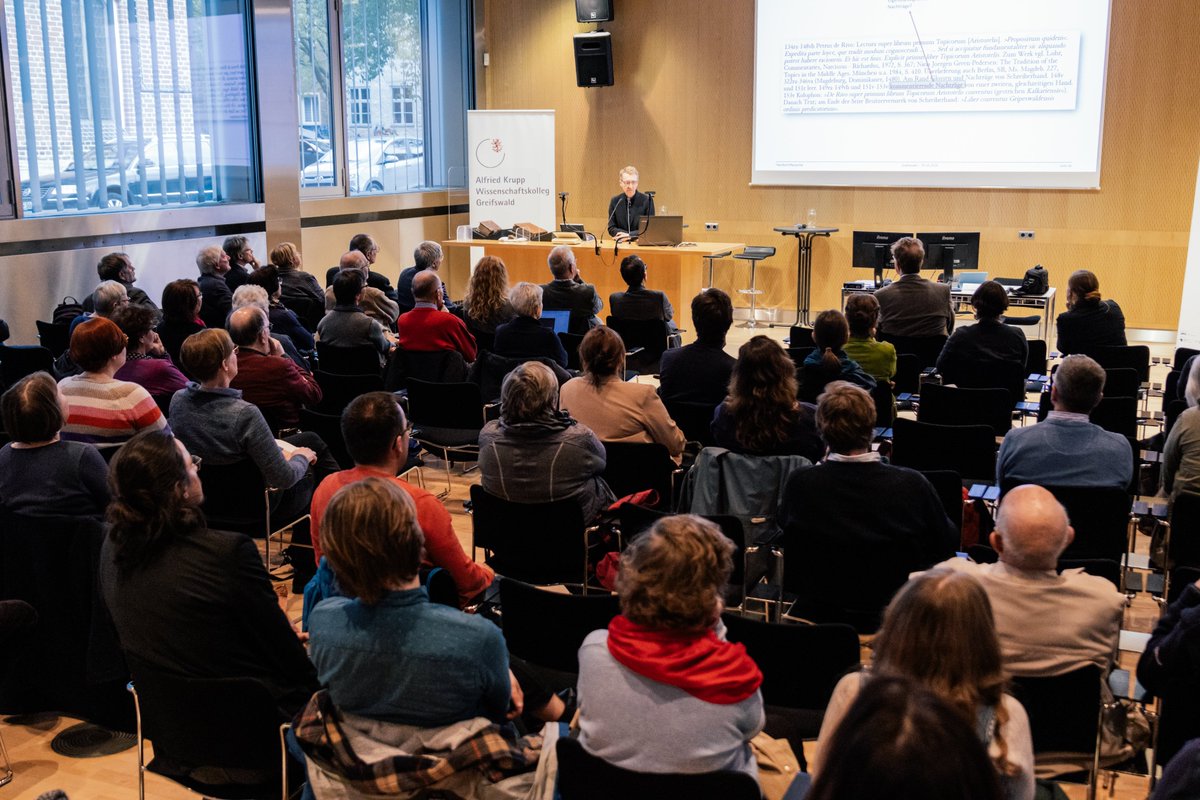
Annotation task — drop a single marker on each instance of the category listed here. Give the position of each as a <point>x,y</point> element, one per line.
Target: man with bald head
<point>374,303</point>
<point>265,376</point>
<point>1048,623</point>
<point>429,326</point>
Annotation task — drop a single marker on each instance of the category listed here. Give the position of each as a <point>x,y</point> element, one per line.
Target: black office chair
<point>540,543</point>
<point>582,776</point>
<point>547,628</point>
<point>969,450</point>
<point>362,360</point>
<point>55,338</point>
<point>694,419</point>
<point>633,467</point>
<point>950,405</point>
<point>651,335</point>
<point>17,361</point>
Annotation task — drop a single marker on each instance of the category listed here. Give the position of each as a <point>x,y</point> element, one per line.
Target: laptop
<point>661,231</point>
<point>558,320</point>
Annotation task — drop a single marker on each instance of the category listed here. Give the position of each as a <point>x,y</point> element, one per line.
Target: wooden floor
<point>39,769</point>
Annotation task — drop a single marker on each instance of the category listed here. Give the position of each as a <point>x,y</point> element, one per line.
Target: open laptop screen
<point>558,320</point>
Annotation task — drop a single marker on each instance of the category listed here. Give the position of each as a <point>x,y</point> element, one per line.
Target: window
<point>404,110</point>
<point>310,111</point>
<point>147,106</point>
<point>313,75</point>
<point>360,105</point>
<point>406,82</point>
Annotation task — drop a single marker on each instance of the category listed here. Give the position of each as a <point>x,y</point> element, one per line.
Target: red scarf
<point>700,664</point>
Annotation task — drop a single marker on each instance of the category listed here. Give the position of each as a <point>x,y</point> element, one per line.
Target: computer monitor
<point>873,250</point>
<point>560,321</point>
<point>950,251</point>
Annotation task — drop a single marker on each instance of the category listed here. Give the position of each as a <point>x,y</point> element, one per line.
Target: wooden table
<point>678,271</point>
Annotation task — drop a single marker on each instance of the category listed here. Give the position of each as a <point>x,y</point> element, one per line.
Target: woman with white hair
<point>525,336</point>
<point>1181,454</point>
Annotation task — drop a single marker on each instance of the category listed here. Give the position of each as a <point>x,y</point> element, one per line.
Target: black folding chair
<point>649,334</point>
<point>1121,382</point>
<point>337,391</point>
<point>541,543</point>
<point>801,336</point>
<point>1009,375</point>
<point>329,428</point>
<point>1171,412</point>
<point>969,450</point>
<point>1135,356</point>
<point>447,418</point>
<point>1064,717</point>
<point>236,498</point>
<point>1035,361</point>
<point>694,419</point>
<point>582,776</point>
<point>632,467</point>
<point>348,360</point>
<point>950,405</point>
<point>547,628</point>
<point>885,404</point>
<point>570,343</point>
<point>908,373</point>
<point>1182,354</point>
<point>948,486</point>
<point>55,338</point>
<point>1100,567</point>
<point>17,361</point>
<point>1117,414</point>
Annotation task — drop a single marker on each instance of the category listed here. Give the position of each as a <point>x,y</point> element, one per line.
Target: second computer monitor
<point>950,252</point>
<point>873,250</point>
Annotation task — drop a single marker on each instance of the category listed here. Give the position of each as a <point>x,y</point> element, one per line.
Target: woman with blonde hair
<point>295,282</point>
<point>762,415</point>
<point>938,631</point>
<point>1089,322</point>
<point>486,304</point>
<point>661,690</point>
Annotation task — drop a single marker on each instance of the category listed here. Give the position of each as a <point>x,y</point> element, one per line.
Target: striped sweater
<point>107,413</point>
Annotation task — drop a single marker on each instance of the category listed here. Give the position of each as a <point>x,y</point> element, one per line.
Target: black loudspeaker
<point>593,59</point>
<point>593,10</point>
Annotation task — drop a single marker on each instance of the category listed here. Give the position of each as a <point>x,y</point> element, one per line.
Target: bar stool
<point>712,261</point>
<point>753,255</point>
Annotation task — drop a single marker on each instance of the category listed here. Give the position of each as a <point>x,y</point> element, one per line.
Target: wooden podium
<point>678,271</point>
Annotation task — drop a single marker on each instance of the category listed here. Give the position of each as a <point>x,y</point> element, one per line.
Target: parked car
<point>372,166</point>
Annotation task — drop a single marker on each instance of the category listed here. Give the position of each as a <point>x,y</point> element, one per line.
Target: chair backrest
<point>1182,354</point>
<point>969,450</point>
<point>948,486</point>
<point>436,366</point>
<point>1100,517</point>
<point>1064,710</point>
<point>1171,386</point>
<point>950,405</point>
<point>363,360</point>
<point>570,343</point>
<point>885,404</point>
<point>1008,375</point>
<point>800,663</point>
<point>1100,567</point>
<point>1121,382</point>
<point>1181,578</point>
<point>329,428</point>
<point>309,310</point>
<point>1171,412</point>
<point>635,466</point>
<point>813,380</point>
<point>55,338</point>
<point>233,497</point>
<point>1035,361</point>
<point>801,336</point>
<point>649,334</point>
<point>547,628</point>
<point>925,348</point>
<point>440,585</point>
<point>908,373</point>
<point>1117,414</point>
<point>338,390</point>
<point>456,406</point>
<point>1184,546</point>
<point>17,361</point>
<point>797,354</point>
<point>1136,356</point>
<point>694,419</point>
<point>582,776</point>
<point>208,722</point>
<point>533,542</point>
<point>489,371</point>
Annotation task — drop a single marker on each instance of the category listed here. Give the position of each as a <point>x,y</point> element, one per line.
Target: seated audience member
<point>1048,623</point>
<point>986,343</point>
<point>1181,454</point>
<point>283,320</point>
<point>535,453</point>
<point>638,302</point>
<point>901,735</point>
<point>661,690</point>
<point>264,376</point>
<point>914,306</point>
<point>1170,668</point>
<point>1089,322</point>
<point>146,361</point>
<point>938,633</point>
<point>119,267</point>
<point>374,303</point>
<point>700,372</point>
<point>250,295</point>
<point>429,326</point>
<point>181,303</point>
<point>486,306</point>
<point>877,359</point>
<point>185,599</point>
<point>568,292</point>
<point>346,325</point>
<point>384,650</point>
<point>213,420</point>
<point>241,261</point>
<point>102,410</point>
<point>40,474</point>
<point>108,297</point>
<point>365,244</point>
<point>1051,453</point>
<point>762,416</point>
<point>830,334</point>
<point>213,264</point>
<point>426,256</point>
<point>524,336</point>
<point>615,409</point>
<point>377,438</point>
<point>294,281</point>
<point>836,532</point>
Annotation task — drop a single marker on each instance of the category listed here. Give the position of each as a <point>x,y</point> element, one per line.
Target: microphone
<point>611,215</point>
<point>563,195</point>
<point>650,205</point>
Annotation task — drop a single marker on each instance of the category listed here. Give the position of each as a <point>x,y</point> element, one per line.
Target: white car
<point>372,166</point>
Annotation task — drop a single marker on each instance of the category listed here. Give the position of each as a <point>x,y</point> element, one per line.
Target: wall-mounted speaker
<point>593,59</point>
<point>593,10</point>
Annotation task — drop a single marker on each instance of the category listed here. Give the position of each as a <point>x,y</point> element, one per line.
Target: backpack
<point>66,311</point>
<point>1037,281</point>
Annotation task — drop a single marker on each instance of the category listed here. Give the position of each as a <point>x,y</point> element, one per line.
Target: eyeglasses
<point>196,462</point>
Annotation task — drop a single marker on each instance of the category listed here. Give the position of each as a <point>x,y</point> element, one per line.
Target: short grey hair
<point>208,259</point>
<point>251,295</point>
<point>109,295</point>
<point>1079,383</point>
<point>428,255</point>
<point>528,393</point>
<point>561,259</point>
<point>526,299</point>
